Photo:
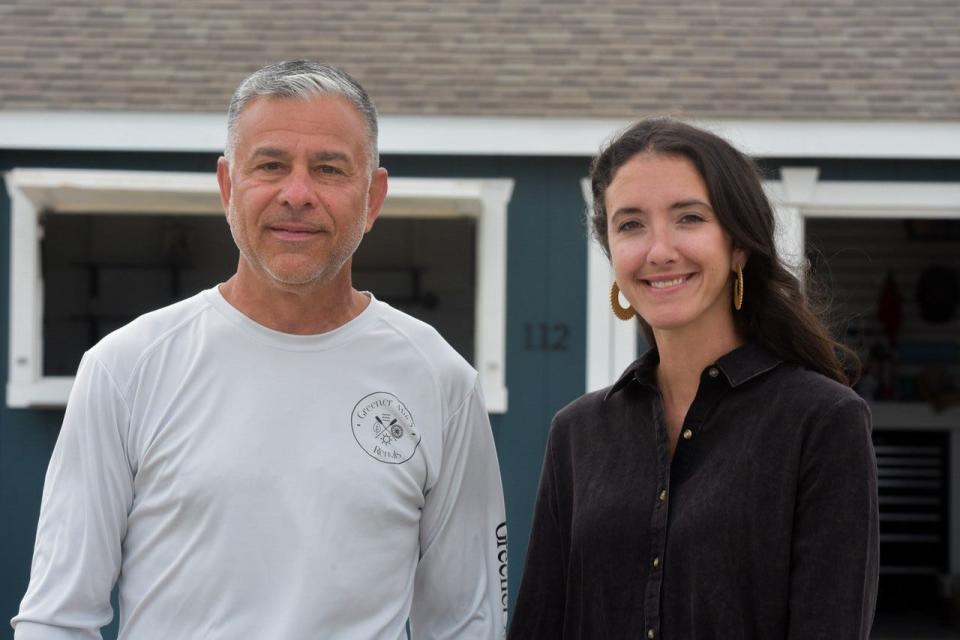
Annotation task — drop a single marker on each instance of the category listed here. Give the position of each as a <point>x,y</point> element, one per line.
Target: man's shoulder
<point>121,349</point>
<point>426,344</point>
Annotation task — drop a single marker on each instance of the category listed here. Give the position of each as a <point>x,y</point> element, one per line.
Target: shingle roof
<point>750,59</point>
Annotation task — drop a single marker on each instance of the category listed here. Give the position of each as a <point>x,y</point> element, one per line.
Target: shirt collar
<point>738,366</point>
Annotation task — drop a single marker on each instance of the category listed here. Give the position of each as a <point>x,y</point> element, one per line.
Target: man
<point>280,456</point>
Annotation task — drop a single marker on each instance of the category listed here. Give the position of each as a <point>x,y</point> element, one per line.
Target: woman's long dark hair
<point>775,310</point>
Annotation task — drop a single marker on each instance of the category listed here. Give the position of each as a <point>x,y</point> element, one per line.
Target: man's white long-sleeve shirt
<point>237,482</point>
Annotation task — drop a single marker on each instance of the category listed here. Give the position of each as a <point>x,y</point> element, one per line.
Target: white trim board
<point>465,135</point>
<point>611,342</point>
<point>135,192</point>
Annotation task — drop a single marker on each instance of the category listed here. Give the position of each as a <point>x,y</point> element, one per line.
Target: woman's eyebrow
<point>690,202</point>
<point>626,211</point>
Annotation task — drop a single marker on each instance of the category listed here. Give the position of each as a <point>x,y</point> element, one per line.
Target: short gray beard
<point>326,271</point>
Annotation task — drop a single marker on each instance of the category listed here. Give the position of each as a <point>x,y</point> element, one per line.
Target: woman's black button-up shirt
<point>763,525</point>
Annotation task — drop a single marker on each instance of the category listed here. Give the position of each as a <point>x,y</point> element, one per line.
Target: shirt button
<point>656,562</point>
<point>713,372</point>
<point>687,434</point>
<point>663,495</point>
<point>651,634</point>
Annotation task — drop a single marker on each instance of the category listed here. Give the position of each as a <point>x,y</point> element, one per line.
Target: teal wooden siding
<point>546,286</point>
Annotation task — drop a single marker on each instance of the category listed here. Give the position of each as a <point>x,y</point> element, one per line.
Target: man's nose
<point>297,191</point>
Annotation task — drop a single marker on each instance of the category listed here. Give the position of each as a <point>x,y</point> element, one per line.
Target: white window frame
<point>799,194</point>
<point>33,191</point>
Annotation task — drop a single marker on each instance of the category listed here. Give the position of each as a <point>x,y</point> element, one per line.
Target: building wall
<point>546,284</point>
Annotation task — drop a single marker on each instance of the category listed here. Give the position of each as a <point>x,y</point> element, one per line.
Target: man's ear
<point>376,196</point>
<point>223,179</point>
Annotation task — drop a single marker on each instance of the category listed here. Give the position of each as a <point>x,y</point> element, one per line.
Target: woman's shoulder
<point>816,404</point>
<point>593,406</point>
<point>585,408</point>
<point>804,384</point>
<point>605,414</point>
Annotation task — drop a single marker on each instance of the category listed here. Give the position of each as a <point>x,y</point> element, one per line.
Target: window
<point>93,249</point>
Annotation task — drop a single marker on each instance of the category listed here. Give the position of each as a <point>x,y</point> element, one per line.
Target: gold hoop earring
<point>621,312</point>
<point>738,289</point>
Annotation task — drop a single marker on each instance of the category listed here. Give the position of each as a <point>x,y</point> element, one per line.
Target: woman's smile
<point>663,283</point>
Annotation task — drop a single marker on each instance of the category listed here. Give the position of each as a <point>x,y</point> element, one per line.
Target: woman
<point>725,485</point>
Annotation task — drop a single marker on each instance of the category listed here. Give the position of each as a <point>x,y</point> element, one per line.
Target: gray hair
<point>303,79</point>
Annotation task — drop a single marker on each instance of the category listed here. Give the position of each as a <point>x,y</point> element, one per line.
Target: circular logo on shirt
<point>384,428</point>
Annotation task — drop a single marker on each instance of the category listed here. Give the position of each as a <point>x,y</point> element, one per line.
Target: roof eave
<point>484,136</point>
